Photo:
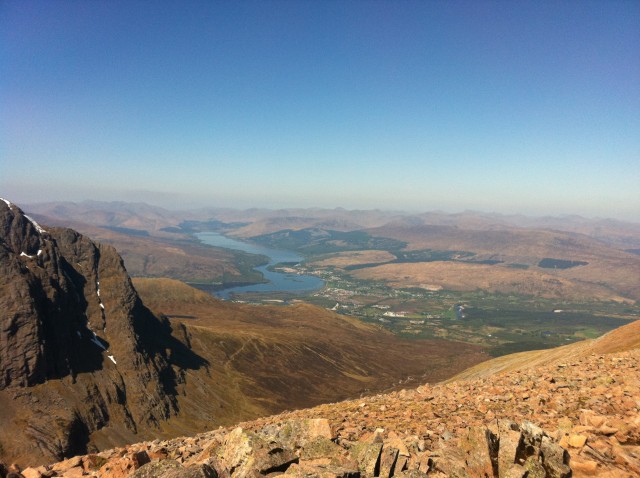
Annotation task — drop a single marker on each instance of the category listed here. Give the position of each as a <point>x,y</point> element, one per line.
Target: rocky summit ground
<point>575,416</point>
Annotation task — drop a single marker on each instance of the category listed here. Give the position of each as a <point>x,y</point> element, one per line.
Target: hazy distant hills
<point>619,234</point>
<point>140,216</point>
<point>503,253</point>
<point>605,272</point>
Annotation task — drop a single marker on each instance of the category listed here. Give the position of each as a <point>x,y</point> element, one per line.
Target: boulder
<point>157,469</point>
<point>368,457</point>
<point>470,455</point>
<point>38,472</point>
<point>297,433</point>
<point>246,454</point>
<point>307,470</point>
<point>388,459</point>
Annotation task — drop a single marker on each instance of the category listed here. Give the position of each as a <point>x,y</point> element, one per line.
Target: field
<point>502,323</point>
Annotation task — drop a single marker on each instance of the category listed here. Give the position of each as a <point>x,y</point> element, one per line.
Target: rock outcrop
<point>314,449</point>
<point>79,352</point>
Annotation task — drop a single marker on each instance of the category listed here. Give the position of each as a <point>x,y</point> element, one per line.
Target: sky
<point>496,106</point>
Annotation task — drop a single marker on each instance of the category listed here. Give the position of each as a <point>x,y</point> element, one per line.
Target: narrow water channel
<point>278,281</point>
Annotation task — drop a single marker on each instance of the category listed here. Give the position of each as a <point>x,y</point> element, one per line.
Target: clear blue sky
<point>505,106</point>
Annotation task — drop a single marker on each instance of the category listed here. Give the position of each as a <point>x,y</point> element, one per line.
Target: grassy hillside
<point>265,359</point>
<point>619,340</point>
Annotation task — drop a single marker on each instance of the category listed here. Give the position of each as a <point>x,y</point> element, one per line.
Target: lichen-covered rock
<point>367,454</point>
<point>173,469</point>
<point>309,470</point>
<point>157,469</point>
<point>297,433</point>
<point>246,454</point>
<point>471,454</point>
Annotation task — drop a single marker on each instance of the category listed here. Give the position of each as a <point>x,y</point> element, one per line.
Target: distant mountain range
<point>262,221</point>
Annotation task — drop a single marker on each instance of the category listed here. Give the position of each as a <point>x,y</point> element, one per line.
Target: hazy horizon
<point>527,108</point>
<point>194,207</point>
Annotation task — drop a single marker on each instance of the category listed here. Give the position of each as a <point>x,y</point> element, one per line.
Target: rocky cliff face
<point>79,352</point>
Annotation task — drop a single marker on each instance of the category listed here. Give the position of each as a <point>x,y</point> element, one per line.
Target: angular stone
<point>577,441</point>
<point>468,456</point>
<point>401,464</point>
<point>73,472</point>
<point>303,470</point>
<point>515,471</point>
<point>245,454</point>
<point>68,463</point>
<point>140,458</point>
<point>534,468</point>
<point>31,472</point>
<point>116,468</point>
<point>529,443</point>
<point>420,461</point>
<point>196,471</point>
<point>395,441</point>
<point>411,474</point>
<point>555,459</point>
<point>93,462</point>
<point>509,440</point>
<point>477,445</point>
<point>589,418</point>
<point>607,431</point>
<point>368,457</point>
<point>388,459</point>
<point>321,447</point>
<point>156,469</point>
<point>450,463</point>
<point>585,467</point>
<point>296,433</point>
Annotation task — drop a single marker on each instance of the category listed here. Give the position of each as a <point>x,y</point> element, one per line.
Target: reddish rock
<point>74,472</point>
<point>577,440</point>
<point>66,464</point>
<point>585,467</point>
<point>388,459</point>
<point>38,472</point>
